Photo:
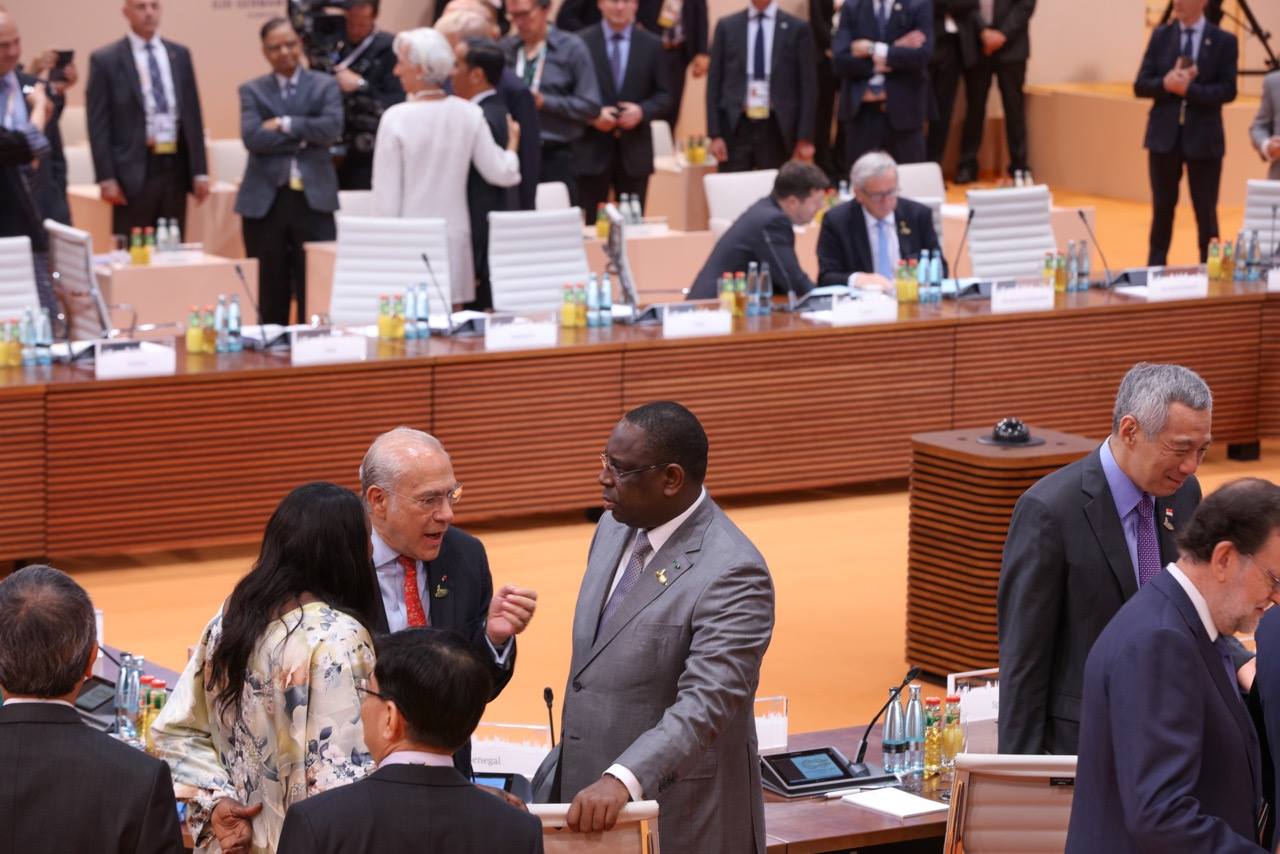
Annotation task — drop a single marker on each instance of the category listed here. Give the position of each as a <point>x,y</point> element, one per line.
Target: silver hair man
<point>1148,390</point>
<point>871,165</point>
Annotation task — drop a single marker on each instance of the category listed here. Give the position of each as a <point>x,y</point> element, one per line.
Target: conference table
<point>204,455</point>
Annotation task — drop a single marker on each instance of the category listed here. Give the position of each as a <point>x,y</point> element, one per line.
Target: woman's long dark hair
<point>317,542</point>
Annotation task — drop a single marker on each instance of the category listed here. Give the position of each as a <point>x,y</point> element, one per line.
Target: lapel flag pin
<point>441,591</point>
<point>1168,518</point>
<point>661,575</point>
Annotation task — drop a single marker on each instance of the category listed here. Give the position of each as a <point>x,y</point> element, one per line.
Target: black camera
<point>320,29</point>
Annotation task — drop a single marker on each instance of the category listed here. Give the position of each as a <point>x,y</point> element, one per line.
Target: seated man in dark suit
<point>1169,757</point>
<point>862,241</point>
<point>288,120</point>
<point>67,787</point>
<point>765,234</point>
<point>426,696</point>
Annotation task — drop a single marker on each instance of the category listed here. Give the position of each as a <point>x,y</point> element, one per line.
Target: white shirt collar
<point>416,757</point>
<point>17,701</point>
<point>1197,599</point>
<point>770,12</point>
<point>281,82</point>
<point>1196,28</point>
<point>383,554</point>
<point>139,44</point>
<point>658,536</point>
<point>480,96</point>
<point>871,221</point>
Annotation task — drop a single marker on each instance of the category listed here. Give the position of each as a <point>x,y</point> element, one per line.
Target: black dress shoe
<point>965,175</point>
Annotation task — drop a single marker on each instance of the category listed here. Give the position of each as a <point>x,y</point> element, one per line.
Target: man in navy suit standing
<point>881,53</point>
<point>1169,757</point>
<point>1189,70</point>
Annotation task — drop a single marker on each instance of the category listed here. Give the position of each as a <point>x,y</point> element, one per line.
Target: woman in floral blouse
<point>266,712</point>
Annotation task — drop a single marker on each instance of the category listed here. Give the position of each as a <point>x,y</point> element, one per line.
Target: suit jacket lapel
<point>781,29</point>
<point>861,242</point>
<point>606,552</point>
<point>604,71</point>
<point>441,608</point>
<point>131,73</point>
<point>1168,537</point>
<point>907,236</point>
<point>1101,513</point>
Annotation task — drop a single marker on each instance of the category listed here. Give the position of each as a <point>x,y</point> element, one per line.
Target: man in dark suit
<point>1081,542</point>
<point>426,696</point>
<point>822,15</point>
<point>429,572</point>
<point>616,152</point>
<point>145,126</point>
<point>1266,693</point>
<point>288,120</point>
<point>68,787</point>
<point>365,74</point>
<point>479,69</point>
<point>862,241</point>
<point>1004,44</point>
<point>680,24</point>
<point>955,49</point>
<point>1169,757</point>
<point>764,234</point>
<point>761,89</point>
<point>1189,70</point>
<point>881,53</point>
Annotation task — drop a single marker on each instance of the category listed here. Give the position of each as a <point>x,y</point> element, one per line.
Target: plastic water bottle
<point>1083,273</point>
<point>1072,273</point>
<point>129,696</point>
<point>1241,272</point>
<point>606,301</point>
<point>753,289</point>
<point>766,289</point>
<point>935,276</point>
<point>44,338</point>
<point>1254,265</point>
<point>234,342</point>
<point>27,337</point>
<point>893,745</point>
<point>593,301</point>
<point>220,323</point>
<point>423,318</point>
<point>162,235</point>
<point>843,191</point>
<point>914,732</point>
<point>411,312</point>
<point>175,234</point>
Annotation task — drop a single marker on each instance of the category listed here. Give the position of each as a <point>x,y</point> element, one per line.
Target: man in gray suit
<point>673,618</point>
<point>288,120</point>
<point>1265,130</point>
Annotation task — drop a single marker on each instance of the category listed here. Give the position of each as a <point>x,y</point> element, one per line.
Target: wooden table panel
<point>1269,369</point>
<point>172,462</point>
<point>22,472</point>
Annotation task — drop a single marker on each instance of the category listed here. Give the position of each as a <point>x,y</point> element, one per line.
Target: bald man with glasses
<point>430,573</point>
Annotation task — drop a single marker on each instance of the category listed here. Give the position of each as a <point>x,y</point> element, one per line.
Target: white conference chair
<point>1003,804</point>
<point>1011,231</point>
<point>635,833</point>
<point>79,164</point>
<point>533,255</point>
<point>383,255</point>
<point>1262,211</point>
<point>227,159</point>
<point>17,277</point>
<point>75,284</point>
<point>731,193</point>
<point>551,196</point>
<point>934,204</point>
<point>917,180</point>
<point>356,202</point>
<point>664,144</point>
<point>72,126</point>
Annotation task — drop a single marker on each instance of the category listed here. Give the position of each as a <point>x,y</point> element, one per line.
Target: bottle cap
<point>953,698</point>
<point>161,684</point>
<point>932,701</point>
<point>147,680</point>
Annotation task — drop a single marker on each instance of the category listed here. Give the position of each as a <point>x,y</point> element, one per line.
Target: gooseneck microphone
<point>444,299</point>
<point>955,263</point>
<point>859,769</point>
<point>791,291</point>
<point>1106,270</point>
<point>549,698</point>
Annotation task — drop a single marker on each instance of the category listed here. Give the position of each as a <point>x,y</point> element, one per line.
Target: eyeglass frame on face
<point>362,686</point>
<point>433,502</point>
<point>606,463</point>
<point>883,195</point>
<point>1275,582</point>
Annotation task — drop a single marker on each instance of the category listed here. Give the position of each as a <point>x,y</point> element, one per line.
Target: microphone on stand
<point>791,292</point>
<point>1275,247</point>
<point>448,306</point>
<point>1106,270</point>
<point>955,263</point>
<point>549,698</point>
<point>257,312</point>
<point>859,768</point>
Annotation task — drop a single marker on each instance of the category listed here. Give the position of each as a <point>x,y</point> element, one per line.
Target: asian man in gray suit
<point>288,120</point>
<point>673,618</point>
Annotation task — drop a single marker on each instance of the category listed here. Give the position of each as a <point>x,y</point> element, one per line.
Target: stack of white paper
<point>894,802</point>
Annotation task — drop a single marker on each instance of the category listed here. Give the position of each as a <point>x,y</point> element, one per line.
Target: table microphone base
<point>869,773</point>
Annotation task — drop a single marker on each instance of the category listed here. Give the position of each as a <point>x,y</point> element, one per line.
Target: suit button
<point>577,686</point>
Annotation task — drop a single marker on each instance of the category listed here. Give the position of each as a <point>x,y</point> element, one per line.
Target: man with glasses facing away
<point>426,695</point>
<point>862,241</point>
<point>673,618</point>
<point>430,573</point>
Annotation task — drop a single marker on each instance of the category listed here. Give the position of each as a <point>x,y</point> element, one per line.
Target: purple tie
<point>629,578</point>
<point>1148,545</point>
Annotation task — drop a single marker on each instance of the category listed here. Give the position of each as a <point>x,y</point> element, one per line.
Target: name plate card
<point>1170,283</point>
<point>509,748</point>
<point>120,359</point>
<point>326,346</point>
<point>693,321</point>
<point>510,332</point>
<point>1273,280</point>
<point>1021,295</point>
<point>868,308</point>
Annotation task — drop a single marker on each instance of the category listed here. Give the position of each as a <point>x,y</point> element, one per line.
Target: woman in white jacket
<point>427,145</point>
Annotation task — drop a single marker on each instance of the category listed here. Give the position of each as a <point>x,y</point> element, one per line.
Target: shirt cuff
<point>624,776</point>
<point>286,125</point>
<point>36,141</point>
<point>881,50</point>
<point>500,658</point>
<point>853,280</point>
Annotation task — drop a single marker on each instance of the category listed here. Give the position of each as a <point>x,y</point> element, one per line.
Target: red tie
<point>412,601</point>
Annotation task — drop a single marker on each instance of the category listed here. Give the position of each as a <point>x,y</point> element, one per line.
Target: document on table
<point>894,802</point>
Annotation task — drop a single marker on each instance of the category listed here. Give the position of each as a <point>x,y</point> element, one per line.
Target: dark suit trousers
<point>557,165</point>
<point>825,154</point>
<point>945,71</point>
<point>676,64</point>
<point>977,82</point>
<point>870,131</point>
<point>1203,175</point>
<point>163,195</point>
<point>276,241</point>
<point>355,172</point>
<point>755,144</point>
<point>594,189</point>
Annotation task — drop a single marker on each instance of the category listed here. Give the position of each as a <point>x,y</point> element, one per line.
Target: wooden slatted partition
<point>22,474</point>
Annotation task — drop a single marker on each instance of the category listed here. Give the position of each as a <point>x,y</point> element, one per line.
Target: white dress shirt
<point>1197,36</point>
<point>657,539</point>
<point>143,65</point>
<point>17,701</point>
<point>386,566</point>
<point>770,22</point>
<point>478,98</point>
<point>286,124</point>
<point>891,229</point>
<point>416,757</point>
<point>1197,599</point>
<point>13,107</point>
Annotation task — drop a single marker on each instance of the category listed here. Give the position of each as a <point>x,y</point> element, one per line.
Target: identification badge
<point>166,133</point>
<point>670,14</point>
<point>295,183</point>
<point>757,99</point>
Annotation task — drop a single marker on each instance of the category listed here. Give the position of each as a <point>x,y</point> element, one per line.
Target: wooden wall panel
<point>1060,370</point>
<point>808,410</point>
<point>22,462</point>
<point>1269,369</point>
<point>192,460</point>
<point>525,432</point>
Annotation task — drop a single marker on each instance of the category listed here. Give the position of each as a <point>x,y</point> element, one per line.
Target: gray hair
<point>426,50</point>
<point>382,466</point>
<point>47,632</point>
<point>873,164</point>
<point>464,24</point>
<point>1148,390</point>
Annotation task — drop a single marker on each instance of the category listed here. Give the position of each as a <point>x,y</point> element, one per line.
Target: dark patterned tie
<point>615,61</point>
<point>1148,544</point>
<point>629,578</point>
<point>1186,44</point>
<point>157,82</point>
<point>757,53</point>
